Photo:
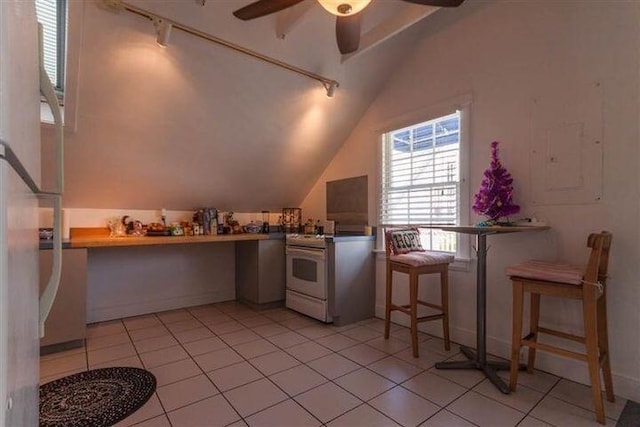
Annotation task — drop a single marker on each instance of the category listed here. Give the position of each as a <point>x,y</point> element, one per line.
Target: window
<point>52,14</point>
<point>421,179</point>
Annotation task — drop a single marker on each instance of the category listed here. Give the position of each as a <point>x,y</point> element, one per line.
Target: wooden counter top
<point>84,239</point>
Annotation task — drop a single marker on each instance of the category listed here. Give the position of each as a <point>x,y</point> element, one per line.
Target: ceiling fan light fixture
<point>344,7</point>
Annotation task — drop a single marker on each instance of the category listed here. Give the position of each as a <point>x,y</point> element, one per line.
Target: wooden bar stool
<point>567,281</point>
<point>406,255</point>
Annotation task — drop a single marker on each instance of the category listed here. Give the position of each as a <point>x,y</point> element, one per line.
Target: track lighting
<point>163,28</point>
<point>330,87</point>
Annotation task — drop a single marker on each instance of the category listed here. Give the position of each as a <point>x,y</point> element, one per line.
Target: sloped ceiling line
<point>406,16</point>
<point>287,19</point>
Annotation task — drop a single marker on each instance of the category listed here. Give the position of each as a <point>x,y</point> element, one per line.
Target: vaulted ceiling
<point>197,124</point>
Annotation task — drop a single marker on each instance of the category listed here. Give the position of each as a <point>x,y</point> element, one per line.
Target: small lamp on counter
<point>265,222</point>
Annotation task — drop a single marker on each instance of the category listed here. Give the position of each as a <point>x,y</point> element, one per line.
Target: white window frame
<point>463,105</point>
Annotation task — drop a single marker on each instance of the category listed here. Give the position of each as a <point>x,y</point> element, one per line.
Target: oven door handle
<point>308,253</point>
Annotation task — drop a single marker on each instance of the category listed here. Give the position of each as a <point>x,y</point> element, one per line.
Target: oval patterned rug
<point>95,398</point>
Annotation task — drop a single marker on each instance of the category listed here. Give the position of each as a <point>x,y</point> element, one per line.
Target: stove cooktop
<point>314,240</point>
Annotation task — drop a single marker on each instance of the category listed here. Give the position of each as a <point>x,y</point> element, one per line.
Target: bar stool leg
<point>534,320</point>
<point>387,315</point>
<point>591,341</point>
<point>603,344</point>
<point>413,307</point>
<point>444,293</point>
<point>516,334</point>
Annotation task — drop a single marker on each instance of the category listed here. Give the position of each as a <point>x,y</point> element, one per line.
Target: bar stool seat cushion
<point>548,271</point>
<point>420,259</point>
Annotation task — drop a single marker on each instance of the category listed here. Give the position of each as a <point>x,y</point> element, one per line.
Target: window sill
<point>46,116</point>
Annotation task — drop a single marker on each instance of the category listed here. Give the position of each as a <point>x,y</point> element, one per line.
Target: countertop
<point>102,241</point>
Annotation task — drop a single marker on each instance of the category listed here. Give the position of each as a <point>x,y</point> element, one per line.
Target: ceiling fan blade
<point>437,3</point>
<point>262,8</point>
<point>348,33</point>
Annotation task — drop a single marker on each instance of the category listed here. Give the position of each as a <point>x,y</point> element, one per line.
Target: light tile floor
<point>228,365</point>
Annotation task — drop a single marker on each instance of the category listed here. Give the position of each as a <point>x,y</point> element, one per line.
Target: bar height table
<point>478,358</point>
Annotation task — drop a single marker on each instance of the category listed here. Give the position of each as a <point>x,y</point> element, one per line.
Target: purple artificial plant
<point>494,199</point>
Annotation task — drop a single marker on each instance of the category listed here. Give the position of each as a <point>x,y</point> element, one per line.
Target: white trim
<point>440,108</point>
<point>464,208</point>
<point>135,308</point>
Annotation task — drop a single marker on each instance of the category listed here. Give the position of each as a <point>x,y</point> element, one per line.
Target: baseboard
<point>574,370</point>
<point>138,308</point>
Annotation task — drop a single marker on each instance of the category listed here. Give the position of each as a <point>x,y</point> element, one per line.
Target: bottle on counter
<point>265,222</point>
<point>213,227</point>
<point>176,229</point>
<point>206,222</point>
<point>309,227</point>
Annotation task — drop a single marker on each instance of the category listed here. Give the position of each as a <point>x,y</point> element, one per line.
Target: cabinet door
<point>271,271</point>
<point>68,317</point>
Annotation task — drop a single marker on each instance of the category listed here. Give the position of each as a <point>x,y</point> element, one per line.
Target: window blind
<point>51,14</point>
<point>421,173</point>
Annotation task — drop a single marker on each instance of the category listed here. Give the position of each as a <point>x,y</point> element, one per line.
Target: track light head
<point>163,29</point>
<point>330,87</point>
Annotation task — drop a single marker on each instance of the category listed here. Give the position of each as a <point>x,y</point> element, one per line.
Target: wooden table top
<point>495,229</point>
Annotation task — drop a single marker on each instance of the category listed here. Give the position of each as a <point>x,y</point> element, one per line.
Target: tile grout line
<point>334,352</point>
<point>164,412</point>
<point>267,378</point>
<point>200,368</point>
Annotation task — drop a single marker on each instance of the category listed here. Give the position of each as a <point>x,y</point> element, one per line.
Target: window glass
<point>52,15</point>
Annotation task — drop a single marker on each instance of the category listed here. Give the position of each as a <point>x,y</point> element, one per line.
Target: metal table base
<point>488,367</point>
<point>478,359</point>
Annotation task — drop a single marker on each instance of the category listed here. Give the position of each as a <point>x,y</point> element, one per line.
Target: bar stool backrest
<point>598,264</point>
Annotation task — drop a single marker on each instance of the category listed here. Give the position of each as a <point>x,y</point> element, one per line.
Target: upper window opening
<point>52,14</point>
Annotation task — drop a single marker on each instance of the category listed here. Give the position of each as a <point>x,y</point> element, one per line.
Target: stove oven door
<point>307,271</point>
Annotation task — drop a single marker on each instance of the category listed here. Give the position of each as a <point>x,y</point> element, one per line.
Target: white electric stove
<point>307,284</point>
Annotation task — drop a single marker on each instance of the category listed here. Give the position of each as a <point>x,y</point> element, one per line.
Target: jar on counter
<point>176,229</point>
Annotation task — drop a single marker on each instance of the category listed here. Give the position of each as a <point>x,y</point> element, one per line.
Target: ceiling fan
<point>347,15</point>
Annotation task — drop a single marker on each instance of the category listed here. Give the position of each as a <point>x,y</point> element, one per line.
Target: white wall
<point>197,124</point>
<point>506,55</point>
